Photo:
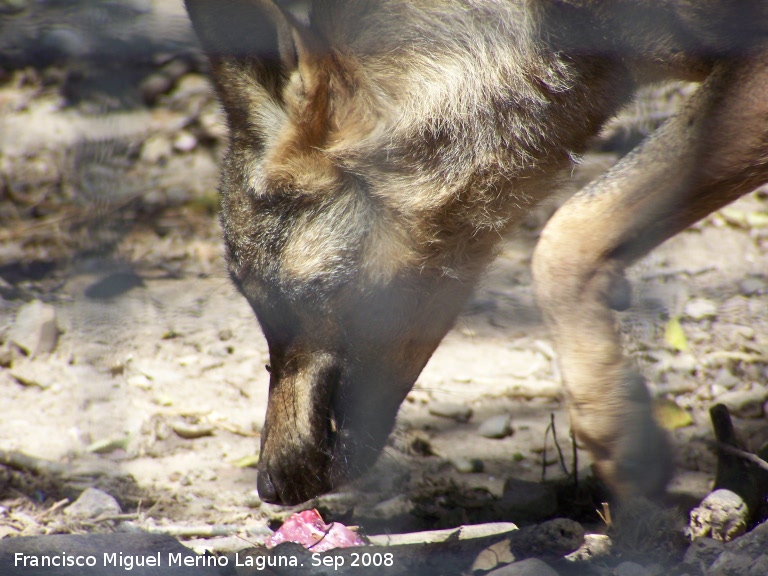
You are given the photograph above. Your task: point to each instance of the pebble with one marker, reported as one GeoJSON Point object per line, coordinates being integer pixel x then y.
{"type": "Point", "coordinates": [184, 142]}
{"type": "Point", "coordinates": [731, 564]}
{"type": "Point", "coordinates": [156, 148]}
{"type": "Point", "coordinates": [759, 567]}
{"type": "Point", "coordinates": [745, 403]}
{"type": "Point", "coordinates": [468, 465]}
{"type": "Point", "coordinates": [13, 6]}
{"type": "Point", "coordinates": [722, 515]}
{"type": "Point", "coordinates": [154, 85]}
{"type": "Point", "coordinates": [594, 546]}
{"type": "Point", "coordinates": [35, 330]}
{"type": "Point", "coordinates": [529, 567]}
{"type": "Point", "coordinates": [631, 569]}
{"type": "Point", "coordinates": [726, 379]}
{"type": "Point", "coordinates": [397, 507]}
{"type": "Point", "coordinates": [527, 501]}
{"type": "Point", "coordinates": [457, 412]}
{"type": "Point", "coordinates": [496, 427]}
{"type": "Point", "coordinates": [93, 503]}
{"type": "Point", "coordinates": [700, 309]}
{"type": "Point", "coordinates": [753, 286]}
{"type": "Point", "coordinates": [703, 552]}
{"type": "Point", "coordinates": [7, 290]}
{"type": "Point", "coordinates": [33, 375]}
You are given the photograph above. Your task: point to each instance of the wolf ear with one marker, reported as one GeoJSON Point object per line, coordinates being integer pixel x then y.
{"type": "Point", "coordinates": [263, 32]}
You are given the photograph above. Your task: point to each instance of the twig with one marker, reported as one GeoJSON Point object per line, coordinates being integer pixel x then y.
{"type": "Point", "coordinates": [557, 444]}
{"type": "Point", "coordinates": [60, 504]}
{"type": "Point", "coordinates": [733, 451]}
{"type": "Point", "coordinates": [111, 517]}
{"type": "Point", "coordinates": [575, 456]}
{"type": "Point", "coordinates": [25, 463]}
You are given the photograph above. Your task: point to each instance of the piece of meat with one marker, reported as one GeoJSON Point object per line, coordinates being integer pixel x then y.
{"type": "Point", "coordinates": [308, 529]}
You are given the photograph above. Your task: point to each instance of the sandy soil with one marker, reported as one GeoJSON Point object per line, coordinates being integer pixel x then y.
{"type": "Point", "coordinates": [110, 218]}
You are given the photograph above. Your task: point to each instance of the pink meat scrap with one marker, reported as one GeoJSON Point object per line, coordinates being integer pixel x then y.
{"type": "Point", "coordinates": [308, 529]}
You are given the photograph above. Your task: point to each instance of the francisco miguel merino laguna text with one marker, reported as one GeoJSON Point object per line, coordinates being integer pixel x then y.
{"type": "Point", "coordinates": [130, 561]}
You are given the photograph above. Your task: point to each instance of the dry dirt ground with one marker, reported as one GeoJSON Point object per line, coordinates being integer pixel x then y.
{"type": "Point", "coordinates": [156, 388]}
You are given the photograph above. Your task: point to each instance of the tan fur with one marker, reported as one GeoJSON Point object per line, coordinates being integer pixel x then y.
{"type": "Point", "coordinates": [379, 153]}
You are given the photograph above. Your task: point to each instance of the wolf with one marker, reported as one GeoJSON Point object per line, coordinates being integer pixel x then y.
{"type": "Point", "coordinates": [379, 150]}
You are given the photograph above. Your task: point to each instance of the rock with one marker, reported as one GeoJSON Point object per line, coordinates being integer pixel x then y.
{"type": "Point", "coordinates": [745, 403]}
{"type": "Point", "coordinates": [730, 564]}
{"type": "Point", "coordinates": [703, 552]}
{"type": "Point", "coordinates": [527, 501]}
{"type": "Point", "coordinates": [594, 546]}
{"type": "Point", "coordinates": [184, 142]}
{"type": "Point", "coordinates": [722, 515]}
{"type": "Point", "coordinates": [457, 412]}
{"type": "Point", "coordinates": [529, 567]}
{"type": "Point", "coordinates": [35, 330]}
{"type": "Point", "coordinates": [156, 148]}
{"type": "Point", "coordinates": [13, 6]}
{"type": "Point", "coordinates": [759, 567]}
{"type": "Point", "coordinates": [468, 465]}
{"type": "Point", "coordinates": [753, 287]}
{"type": "Point", "coordinates": [631, 569]}
{"type": "Point", "coordinates": [752, 544]}
{"type": "Point", "coordinates": [33, 374]}
{"type": "Point", "coordinates": [93, 503]}
{"type": "Point", "coordinates": [8, 291]}
{"type": "Point", "coordinates": [394, 508]}
{"type": "Point", "coordinates": [496, 427]}
{"type": "Point", "coordinates": [726, 379]}
{"type": "Point", "coordinates": [154, 85]}
{"type": "Point", "coordinates": [700, 309]}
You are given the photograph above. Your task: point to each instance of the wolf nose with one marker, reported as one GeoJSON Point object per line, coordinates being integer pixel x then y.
{"type": "Point", "coordinates": [267, 490]}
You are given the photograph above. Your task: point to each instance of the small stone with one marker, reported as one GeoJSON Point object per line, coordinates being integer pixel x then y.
{"type": "Point", "coordinates": [594, 546]}
{"type": "Point", "coordinates": [139, 381]}
{"type": "Point", "coordinates": [13, 6]}
{"type": "Point", "coordinates": [529, 567]}
{"type": "Point", "coordinates": [726, 379]}
{"type": "Point", "coordinates": [154, 85]}
{"type": "Point", "coordinates": [156, 148]}
{"type": "Point", "coordinates": [753, 287]}
{"type": "Point", "coordinates": [630, 569]}
{"type": "Point", "coordinates": [192, 431]}
{"type": "Point", "coordinates": [35, 330]}
{"type": "Point", "coordinates": [420, 446]}
{"type": "Point", "coordinates": [33, 375]}
{"type": "Point", "coordinates": [457, 412]}
{"type": "Point", "coordinates": [752, 544]}
{"type": "Point", "coordinates": [527, 501]}
{"type": "Point", "coordinates": [496, 427]}
{"type": "Point", "coordinates": [394, 508]}
{"type": "Point", "coordinates": [745, 403]}
{"type": "Point", "coordinates": [252, 499]}
{"type": "Point", "coordinates": [8, 291]}
{"type": "Point", "coordinates": [93, 503]}
{"type": "Point", "coordinates": [185, 142]}
{"type": "Point", "coordinates": [683, 363]}
{"type": "Point", "coordinates": [722, 515]}
{"type": "Point", "coordinates": [730, 564]}
{"type": "Point", "coordinates": [760, 566]}
{"type": "Point", "coordinates": [703, 552]}
{"type": "Point", "coordinates": [700, 309]}
{"type": "Point", "coordinates": [468, 465]}
{"type": "Point", "coordinates": [676, 384]}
